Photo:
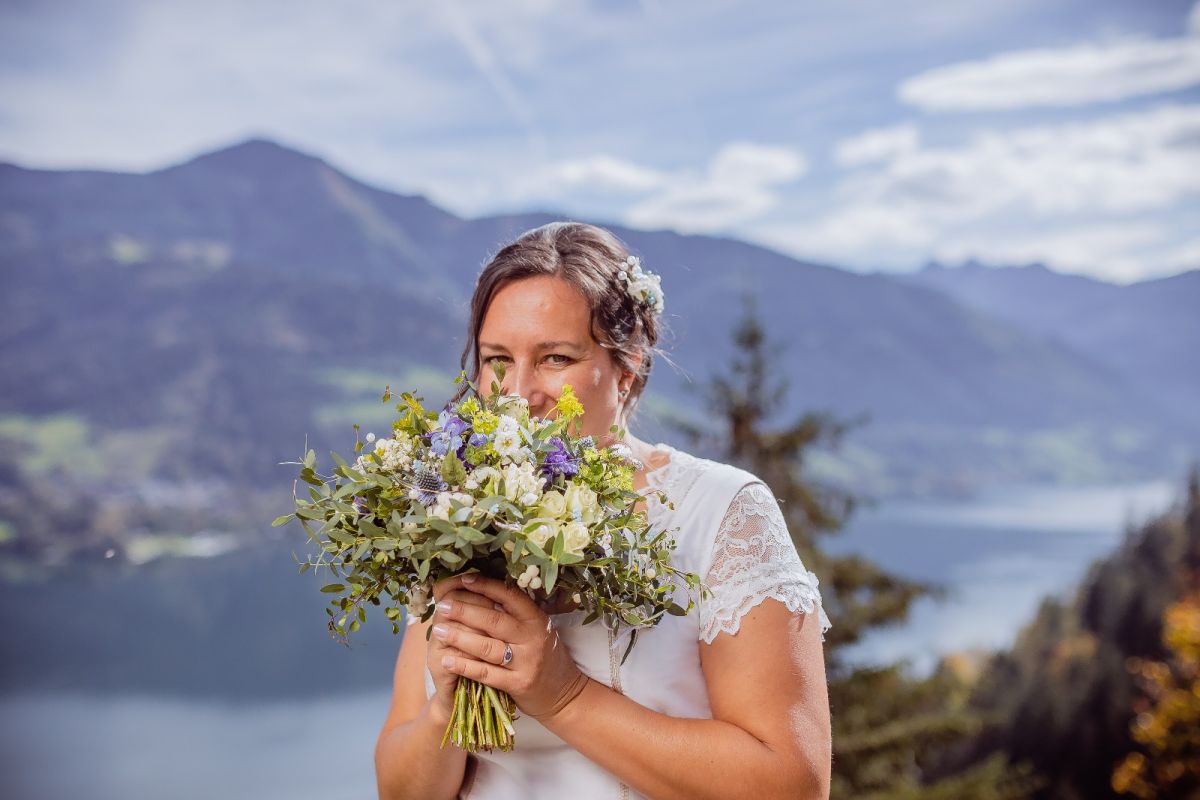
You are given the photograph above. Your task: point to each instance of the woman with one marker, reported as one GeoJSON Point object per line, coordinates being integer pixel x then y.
{"type": "Point", "coordinates": [729, 701]}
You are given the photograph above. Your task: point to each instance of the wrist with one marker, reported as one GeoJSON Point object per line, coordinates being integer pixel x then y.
{"type": "Point", "coordinates": [567, 701]}
{"type": "Point", "coordinates": [438, 713]}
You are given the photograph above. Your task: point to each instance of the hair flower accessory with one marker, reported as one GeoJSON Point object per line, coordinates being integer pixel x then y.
{"type": "Point", "coordinates": [645, 286]}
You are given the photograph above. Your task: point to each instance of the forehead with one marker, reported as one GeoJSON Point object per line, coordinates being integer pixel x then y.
{"type": "Point", "coordinates": [535, 309]}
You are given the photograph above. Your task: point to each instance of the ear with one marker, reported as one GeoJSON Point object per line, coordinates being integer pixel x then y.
{"type": "Point", "coordinates": [628, 376]}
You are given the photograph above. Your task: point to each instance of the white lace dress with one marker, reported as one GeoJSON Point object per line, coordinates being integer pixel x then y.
{"type": "Point", "coordinates": [732, 533]}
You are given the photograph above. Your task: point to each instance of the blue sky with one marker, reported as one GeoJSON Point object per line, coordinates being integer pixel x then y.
{"type": "Point", "coordinates": [870, 135]}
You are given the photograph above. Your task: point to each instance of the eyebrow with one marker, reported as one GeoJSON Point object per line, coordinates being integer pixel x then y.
{"type": "Point", "coordinates": [541, 346]}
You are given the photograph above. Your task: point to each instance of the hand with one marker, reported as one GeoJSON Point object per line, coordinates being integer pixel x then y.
{"type": "Point", "coordinates": [443, 680]}
{"type": "Point", "coordinates": [542, 678]}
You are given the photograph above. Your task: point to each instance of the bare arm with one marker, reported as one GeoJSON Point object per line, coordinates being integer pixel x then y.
{"type": "Point", "coordinates": [770, 735]}
{"type": "Point", "coordinates": [409, 759]}
{"type": "Point", "coordinates": [409, 762]}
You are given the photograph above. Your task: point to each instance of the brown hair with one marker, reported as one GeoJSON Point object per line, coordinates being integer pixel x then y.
{"type": "Point", "coordinates": [588, 257]}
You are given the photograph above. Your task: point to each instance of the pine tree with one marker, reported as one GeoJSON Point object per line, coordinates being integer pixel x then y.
{"type": "Point", "coordinates": [887, 727]}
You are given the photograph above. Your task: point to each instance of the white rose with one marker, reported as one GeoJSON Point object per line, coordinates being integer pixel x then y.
{"type": "Point", "coordinates": [581, 498]}
{"type": "Point", "coordinates": [553, 505]}
{"type": "Point", "coordinates": [544, 532]}
{"type": "Point", "coordinates": [575, 538]}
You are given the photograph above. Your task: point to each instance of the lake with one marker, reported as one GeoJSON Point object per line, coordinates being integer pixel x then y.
{"type": "Point", "coordinates": [999, 554]}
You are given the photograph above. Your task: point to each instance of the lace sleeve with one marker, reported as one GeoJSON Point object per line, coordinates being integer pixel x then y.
{"type": "Point", "coordinates": [754, 559]}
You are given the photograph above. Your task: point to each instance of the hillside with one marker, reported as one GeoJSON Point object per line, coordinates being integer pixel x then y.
{"type": "Point", "coordinates": [168, 337]}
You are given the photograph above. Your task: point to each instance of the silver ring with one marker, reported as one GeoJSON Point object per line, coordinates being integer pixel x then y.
{"type": "Point", "coordinates": [508, 655]}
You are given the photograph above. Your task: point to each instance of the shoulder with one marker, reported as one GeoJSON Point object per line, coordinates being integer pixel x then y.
{"type": "Point", "coordinates": [725, 480]}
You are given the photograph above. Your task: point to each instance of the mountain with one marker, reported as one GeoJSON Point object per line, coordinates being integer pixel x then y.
{"type": "Point", "coordinates": [1145, 330]}
{"type": "Point", "coordinates": [169, 337]}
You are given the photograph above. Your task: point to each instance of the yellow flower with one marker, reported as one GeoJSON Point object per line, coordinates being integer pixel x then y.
{"type": "Point", "coordinates": [485, 422]}
{"type": "Point", "coordinates": [468, 407]}
{"type": "Point", "coordinates": [568, 404]}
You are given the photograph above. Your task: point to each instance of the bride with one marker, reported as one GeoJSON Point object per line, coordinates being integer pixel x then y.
{"type": "Point", "coordinates": [728, 701]}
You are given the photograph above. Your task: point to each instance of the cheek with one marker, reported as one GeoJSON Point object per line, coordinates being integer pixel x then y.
{"type": "Point", "coordinates": [595, 390]}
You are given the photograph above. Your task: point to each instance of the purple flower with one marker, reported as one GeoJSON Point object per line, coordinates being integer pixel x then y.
{"type": "Point", "coordinates": [477, 440]}
{"type": "Point", "coordinates": [448, 435]}
{"type": "Point", "coordinates": [559, 461]}
{"type": "Point", "coordinates": [428, 484]}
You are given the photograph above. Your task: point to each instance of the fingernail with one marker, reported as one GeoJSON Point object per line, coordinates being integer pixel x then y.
{"type": "Point", "coordinates": [470, 578]}
{"type": "Point", "coordinates": [445, 605]}
{"type": "Point", "coordinates": [447, 661]}
{"type": "Point", "coordinates": [440, 631]}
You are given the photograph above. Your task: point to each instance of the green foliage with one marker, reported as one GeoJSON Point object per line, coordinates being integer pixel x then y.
{"type": "Point", "coordinates": [1063, 697]}
{"type": "Point", "coordinates": [380, 541]}
{"type": "Point", "coordinates": [889, 730]}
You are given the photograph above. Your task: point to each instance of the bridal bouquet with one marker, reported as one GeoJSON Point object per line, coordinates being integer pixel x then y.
{"type": "Point", "coordinates": [483, 486]}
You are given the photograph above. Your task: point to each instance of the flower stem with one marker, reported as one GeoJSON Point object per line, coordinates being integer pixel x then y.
{"type": "Point", "coordinates": [482, 718]}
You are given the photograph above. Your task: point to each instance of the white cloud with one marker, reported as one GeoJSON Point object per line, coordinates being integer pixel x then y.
{"type": "Point", "coordinates": [1082, 182]}
{"type": "Point", "coordinates": [606, 173]}
{"type": "Point", "coordinates": [1112, 252]}
{"type": "Point", "coordinates": [1137, 161]}
{"type": "Point", "coordinates": [876, 145]}
{"type": "Point", "coordinates": [1066, 76]}
{"type": "Point", "coordinates": [737, 186]}
{"type": "Point", "coordinates": [743, 162]}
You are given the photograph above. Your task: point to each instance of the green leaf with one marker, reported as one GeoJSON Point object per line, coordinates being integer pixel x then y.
{"type": "Point", "coordinates": [281, 519]}
{"type": "Point", "coordinates": [310, 459]}
{"type": "Point", "coordinates": [441, 526]}
{"type": "Point", "coordinates": [551, 576]}
{"type": "Point", "coordinates": [632, 639]}
{"type": "Point", "coordinates": [453, 471]}
{"type": "Point", "coordinates": [341, 462]}
{"type": "Point", "coordinates": [308, 476]}
{"type": "Point", "coordinates": [557, 551]}
{"type": "Point", "coordinates": [333, 587]}
{"type": "Point", "coordinates": [471, 535]}
{"type": "Point", "coordinates": [341, 536]}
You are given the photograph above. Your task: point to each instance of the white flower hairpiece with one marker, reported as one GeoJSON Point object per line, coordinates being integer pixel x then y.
{"type": "Point", "coordinates": [645, 286]}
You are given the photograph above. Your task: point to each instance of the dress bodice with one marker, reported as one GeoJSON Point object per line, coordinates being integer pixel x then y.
{"type": "Point", "coordinates": [729, 530]}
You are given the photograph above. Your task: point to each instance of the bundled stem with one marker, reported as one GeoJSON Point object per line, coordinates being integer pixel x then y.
{"type": "Point", "coordinates": [481, 719]}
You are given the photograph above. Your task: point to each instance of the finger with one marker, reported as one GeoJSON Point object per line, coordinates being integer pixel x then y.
{"type": "Point", "coordinates": [474, 598]}
{"type": "Point", "coordinates": [447, 586]}
{"type": "Point", "coordinates": [515, 602]}
{"type": "Point", "coordinates": [488, 620]}
{"type": "Point", "coordinates": [471, 642]}
{"type": "Point", "coordinates": [488, 674]}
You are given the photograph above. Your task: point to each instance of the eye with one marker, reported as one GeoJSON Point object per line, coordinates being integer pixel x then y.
{"type": "Point", "coordinates": [565, 359]}
{"type": "Point", "coordinates": [493, 359]}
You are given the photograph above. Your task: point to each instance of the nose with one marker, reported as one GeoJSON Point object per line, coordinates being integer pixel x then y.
{"type": "Point", "coordinates": [522, 378]}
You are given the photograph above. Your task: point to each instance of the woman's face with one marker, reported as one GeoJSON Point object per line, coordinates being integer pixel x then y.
{"type": "Point", "coordinates": [540, 329]}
